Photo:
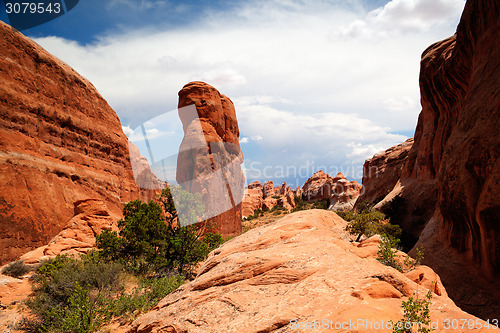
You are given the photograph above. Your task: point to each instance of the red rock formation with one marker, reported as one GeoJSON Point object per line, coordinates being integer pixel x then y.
{"type": "Point", "coordinates": [269, 189]}
{"type": "Point", "coordinates": [345, 193]}
{"type": "Point", "coordinates": [301, 268]}
{"type": "Point", "coordinates": [253, 199]}
{"type": "Point", "coordinates": [59, 142]}
{"type": "Point", "coordinates": [91, 218]}
{"type": "Point", "coordinates": [210, 157]}
{"type": "Point", "coordinates": [453, 168]}
{"type": "Point", "coordinates": [150, 186]}
{"type": "Point", "coordinates": [340, 193]}
{"type": "Point", "coordinates": [316, 188]}
{"type": "Point", "coordinates": [256, 197]}
{"type": "Point", "coordinates": [382, 172]}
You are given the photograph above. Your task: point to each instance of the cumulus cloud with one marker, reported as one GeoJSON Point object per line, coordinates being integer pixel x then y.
{"type": "Point", "coordinates": [403, 17]}
{"type": "Point", "coordinates": [322, 80]}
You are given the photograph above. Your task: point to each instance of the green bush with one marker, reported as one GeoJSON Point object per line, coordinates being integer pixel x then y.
{"type": "Point", "coordinates": [386, 253]}
{"type": "Point", "coordinates": [70, 295]}
{"type": "Point", "coordinates": [368, 223]}
{"type": "Point", "coordinates": [151, 240]}
{"type": "Point", "coordinates": [16, 269]}
{"type": "Point", "coordinates": [323, 204]}
{"type": "Point", "coordinates": [299, 204]}
{"type": "Point", "coordinates": [144, 297]}
{"type": "Point", "coordinates": [73, 295]}
{"type": "Point", "coordinates": [416, 315]}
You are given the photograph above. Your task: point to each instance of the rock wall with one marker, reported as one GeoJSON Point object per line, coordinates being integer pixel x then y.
{"type": "Point", "coordinates": [60, 142]}
{"type": "Point", "coordinates": [210, 156]}
{"type": "Point", "coordinates": [451, 175]}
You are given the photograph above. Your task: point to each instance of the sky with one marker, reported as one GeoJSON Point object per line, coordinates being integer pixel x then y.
{"type": "Point", "coordinates": [319, 84]}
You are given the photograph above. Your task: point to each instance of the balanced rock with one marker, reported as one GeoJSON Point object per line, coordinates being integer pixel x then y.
{"type": "Point", "coordinates": [210, 157]}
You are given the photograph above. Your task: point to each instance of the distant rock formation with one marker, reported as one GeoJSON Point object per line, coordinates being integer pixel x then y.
{"type": "Point", "coordinates": [210, 157]}
{"type": "Point", "coordinates": [340, 193]}
{"type": "Point", "coordinates": [91, 218]}
{"type": "Point", "coordinates": [451, 176]}
{"type": "Point", "coordinates": [267, 197]}
{"type": "Point", "coordinates": [299, 269]}
{"type": "Point", "coordinates": [150, 186]}
{"type": "Point", "coordinates": [60, 142]}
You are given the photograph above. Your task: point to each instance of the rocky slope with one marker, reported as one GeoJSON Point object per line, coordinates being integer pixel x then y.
{"type": "Point", "coordinates": [451, 174]}
{"type": "Point", "coordinates": [60, 142]}
{"type": "Point", "coordinates": [210, 157]}
{"type": "Point", "coordinates": [298, 270]}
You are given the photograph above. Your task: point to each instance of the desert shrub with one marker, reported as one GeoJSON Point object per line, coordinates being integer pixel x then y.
{"type": "Point", "coordinates": [152, 240]}
{"type": "Point", "coordinates": [416, 315]}
{"type": "Point", "coordinates": [16, 269]}
{"type": "Point", "coordinates": [278, 208]}
{"type": "Point", "coordinates": [323, 204]}
{"type": "Point", "coordinates": [73, 295]}
{"type": "Point", "coordinates": [70, 295]}
{"type": "Point", "coordinates": [144, 297]}
{"type": "Point", "coordinates": [386, 253]}
{"type": "Point", "coordinates": [299, 204]}
{"type": "Point", "coordinates": [213, 240]}
{"type": "Point", "coordinates": [276, 197]}
{"type": "Point", "coordinates": [368, 223]}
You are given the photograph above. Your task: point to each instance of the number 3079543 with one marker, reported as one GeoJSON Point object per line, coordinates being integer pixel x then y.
{"type": "Point", "coordinates": [32, 8]}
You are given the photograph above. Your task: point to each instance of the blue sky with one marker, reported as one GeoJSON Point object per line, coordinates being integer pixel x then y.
{"type": "Point", "coordinates": [316, 84]}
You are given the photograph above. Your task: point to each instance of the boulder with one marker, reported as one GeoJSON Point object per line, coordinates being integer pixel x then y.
{"type": "Point", "coordinates": [91, 218]}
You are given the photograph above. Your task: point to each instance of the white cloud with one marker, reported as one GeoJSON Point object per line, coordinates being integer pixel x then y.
{"type": "Point", "coordinates": [310, 77]}
{"type": "Point", "coordinates": [402, 17]}
{"type": "Point", "coordinates": [244, 140]}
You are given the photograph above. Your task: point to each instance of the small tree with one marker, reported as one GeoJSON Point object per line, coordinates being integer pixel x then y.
{"type": "Point", "coordinates": [416, 315]}
{"type": "Point", "coordinates": [151, 237]}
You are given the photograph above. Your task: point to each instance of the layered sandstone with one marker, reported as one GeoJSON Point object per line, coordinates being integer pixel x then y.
{"type": "Point", "coordinates": [253, 200]}
{"type": "Point", "coordinates": [210, 157]}
{"type": "Point", "coordinates": [383, 171]}
{"type": "Point", "coordinates": [451, 174]}
{"type": "Point", "coordinates": [78, 237]}
{"type": "Point", "coordinates": [60, 142]}
{"type": "Point", "coordinates": [150, 186]}
{"type": "Point", "coordinates": [301, 268]}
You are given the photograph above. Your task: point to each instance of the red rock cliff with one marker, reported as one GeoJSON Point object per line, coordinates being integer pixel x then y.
{"type": "Point", "coordinates": [210, 156]}
{"type": "Point", "coordinates": [60, 142]}
{"type": "Point", "coordinates": [453, 168]}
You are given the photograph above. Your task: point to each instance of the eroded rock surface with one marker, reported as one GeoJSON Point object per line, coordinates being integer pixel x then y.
{"type": "Point", "coordinates": [210, 157]}
{"type": "Point", "coordinates": [60, 142]}
{"type": "Point", "coordinates": [91, 218]}
{"type": "Point", "coordinates": [340, 193]}
{"type": "Point", "coordinates": [300, 268]}
{"type": "Point", "coordinates": [451, 175]}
